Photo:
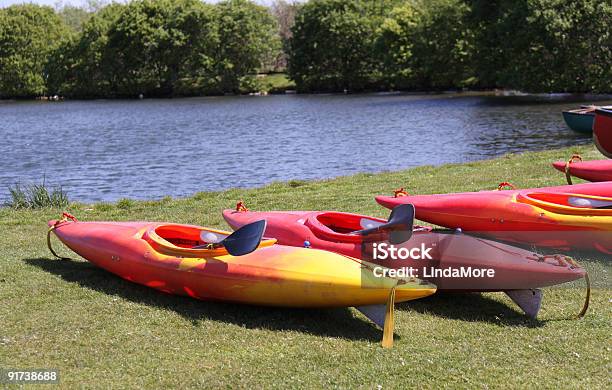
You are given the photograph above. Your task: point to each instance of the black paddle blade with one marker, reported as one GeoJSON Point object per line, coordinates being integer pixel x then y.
{"type": "Point", "coordinates": [398, 228]}
{"type": "Point", "coordinates": [246, 239]}
{"type": "Point", "coordinates": [402, 219]}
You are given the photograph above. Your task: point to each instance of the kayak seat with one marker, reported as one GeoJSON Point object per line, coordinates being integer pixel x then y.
{"type": "Point", "coordinates": [182, 236]}
{"type": "Point", "coordinates": [339, 222]}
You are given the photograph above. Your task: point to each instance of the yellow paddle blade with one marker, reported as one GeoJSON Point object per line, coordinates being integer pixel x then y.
{"type": "Point", "coordinates": [387, 341]}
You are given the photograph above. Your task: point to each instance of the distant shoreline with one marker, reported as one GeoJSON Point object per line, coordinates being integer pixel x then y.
{"type": "Point", "coordinates": [560, 96]}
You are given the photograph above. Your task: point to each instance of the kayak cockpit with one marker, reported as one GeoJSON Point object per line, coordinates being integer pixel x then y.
{"type": "Point", "coordinates": [345, 227]}
{"type": "Point", "coordinates": [190, 241]}
{"type": "Point", "coordinates": [347, 223]}
{"type": "Point", "coordinates": [340, 227]}
{"type": "Point", "coordinates": [573, 204]}
{"type": "Point", "coordinates": [185, 236]}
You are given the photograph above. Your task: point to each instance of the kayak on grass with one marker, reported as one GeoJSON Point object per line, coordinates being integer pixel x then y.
{"type": "Point", "coordinates": [516, 271]}
{"type": "Point", "coordinates": [195, 261]}
{"type": "Point", "coordinates": [594, 170]}
{"type": "Point", "coordinates": [597, 189]}
{"type": "Point", "coordinates": [602, 131]}
{"type": "Point", "coordinates": [563, 217]}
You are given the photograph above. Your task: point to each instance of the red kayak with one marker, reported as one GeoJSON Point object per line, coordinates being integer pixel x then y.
{"type": "Point", "coordinates": [602, 131]}
{"type": "Point", "coordinates": [595, 170]}
{"type": "Point", "coordinates": [514, 268]}
{"type": "Point", "coordinates": [564, 217]}
{"type": "Point", "coordinates": [596, 189]}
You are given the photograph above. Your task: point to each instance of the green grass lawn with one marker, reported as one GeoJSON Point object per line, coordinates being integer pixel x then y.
{"type": "Point", "coordinates": [103, 331]}
{"type": "Point", "coordinates": [277, 82]}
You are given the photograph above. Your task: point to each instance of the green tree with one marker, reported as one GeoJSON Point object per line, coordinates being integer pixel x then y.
{"type": "Point", "coordinates": [284, 13]}
{"type": "Point", "coordinates": [248, 41]}
{"type": "Point", "coordinates": [332, 46]}
{"type": "Point", "coordinates": [28, 33]}
{"type": "Point", "coordinates": [84, 66]}
{"type": "Point", "coordinates": [544, 45]}
{"type": "Point", "coordinates": [74, 17]}
{"type": "Point", "coordinates": [427, 45]}
{"type": "Point", "coordinates": [156, 43]}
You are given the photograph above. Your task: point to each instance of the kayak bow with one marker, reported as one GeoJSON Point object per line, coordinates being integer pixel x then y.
{"type": "Point", "coordinates": [594, 171]}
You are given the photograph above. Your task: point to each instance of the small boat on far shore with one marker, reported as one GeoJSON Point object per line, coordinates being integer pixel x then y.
{"type": "Point", "coordinates": [580, 120]}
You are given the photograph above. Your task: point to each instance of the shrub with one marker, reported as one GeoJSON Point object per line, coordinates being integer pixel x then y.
{"type": "Point", "coordinates": [125, 203]}
{"type": "Point", "coordinates": [37, 196]}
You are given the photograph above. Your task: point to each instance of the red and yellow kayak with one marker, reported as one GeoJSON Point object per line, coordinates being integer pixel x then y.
{"type": "Point", "coordinates": [165, 256]}
{"type": "Point", "coordinates": [602, 131]}
{"type": "Point", "coordinates": [595, 170]}
{"type": "Point", "coordinates": [184, 260]}
{"type": "Point", "coordinates": [545, 217]}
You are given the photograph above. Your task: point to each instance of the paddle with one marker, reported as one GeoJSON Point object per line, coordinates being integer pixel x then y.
{"type": "Point", "coordinates": [398, 227]}
{"type": "Point", "coordinates": [244, 240]}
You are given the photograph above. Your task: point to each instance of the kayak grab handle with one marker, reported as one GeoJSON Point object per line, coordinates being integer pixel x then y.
{"type": "Point", "coordinates": [65, 217]}
{"type": "Point", "coordinates": [400, 192]}
{"type": "Point", "coordinates": [240, 207]}
{"type": "Point", "coordinates": [505, 184]}
{"type": "Point", "coordinates": [574, 158]}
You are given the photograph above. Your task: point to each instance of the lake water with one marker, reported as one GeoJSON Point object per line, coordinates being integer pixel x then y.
{"type": "Point", "coordinates": [146, 149]}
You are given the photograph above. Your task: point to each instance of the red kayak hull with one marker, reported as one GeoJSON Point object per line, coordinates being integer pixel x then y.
{"type": "Point", "coordinates": [515, 268]}
{"type": "Point", "coordinates": [595, 170]}
{"type": "Point", "coordinates": [501, 215]}
{"type": "Point", "coordinates": [602, 131]}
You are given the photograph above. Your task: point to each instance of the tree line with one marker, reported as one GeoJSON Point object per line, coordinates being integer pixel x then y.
{"type": "Point", "coordinates": [150, 47]}
{"type": "Point", "coordinates": [529, 45]}
{"type": "Point", "coordinates": [188, 47]}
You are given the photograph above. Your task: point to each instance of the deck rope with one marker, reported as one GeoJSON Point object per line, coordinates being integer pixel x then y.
{"type": "Point", "coordinates": [574, 158]}
{"type": "Point", "coordinates": [65, 217]}
{"type": "Point", "coordinates": [587, 299]}
{"type": "Point", "coordinates": [569, 261]}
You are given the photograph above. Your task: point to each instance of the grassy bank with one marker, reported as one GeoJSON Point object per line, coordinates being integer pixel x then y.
{"type": "Point", "coordinates": [275, 83]}
{"type": "Point", "coordinates": [107, 332]}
